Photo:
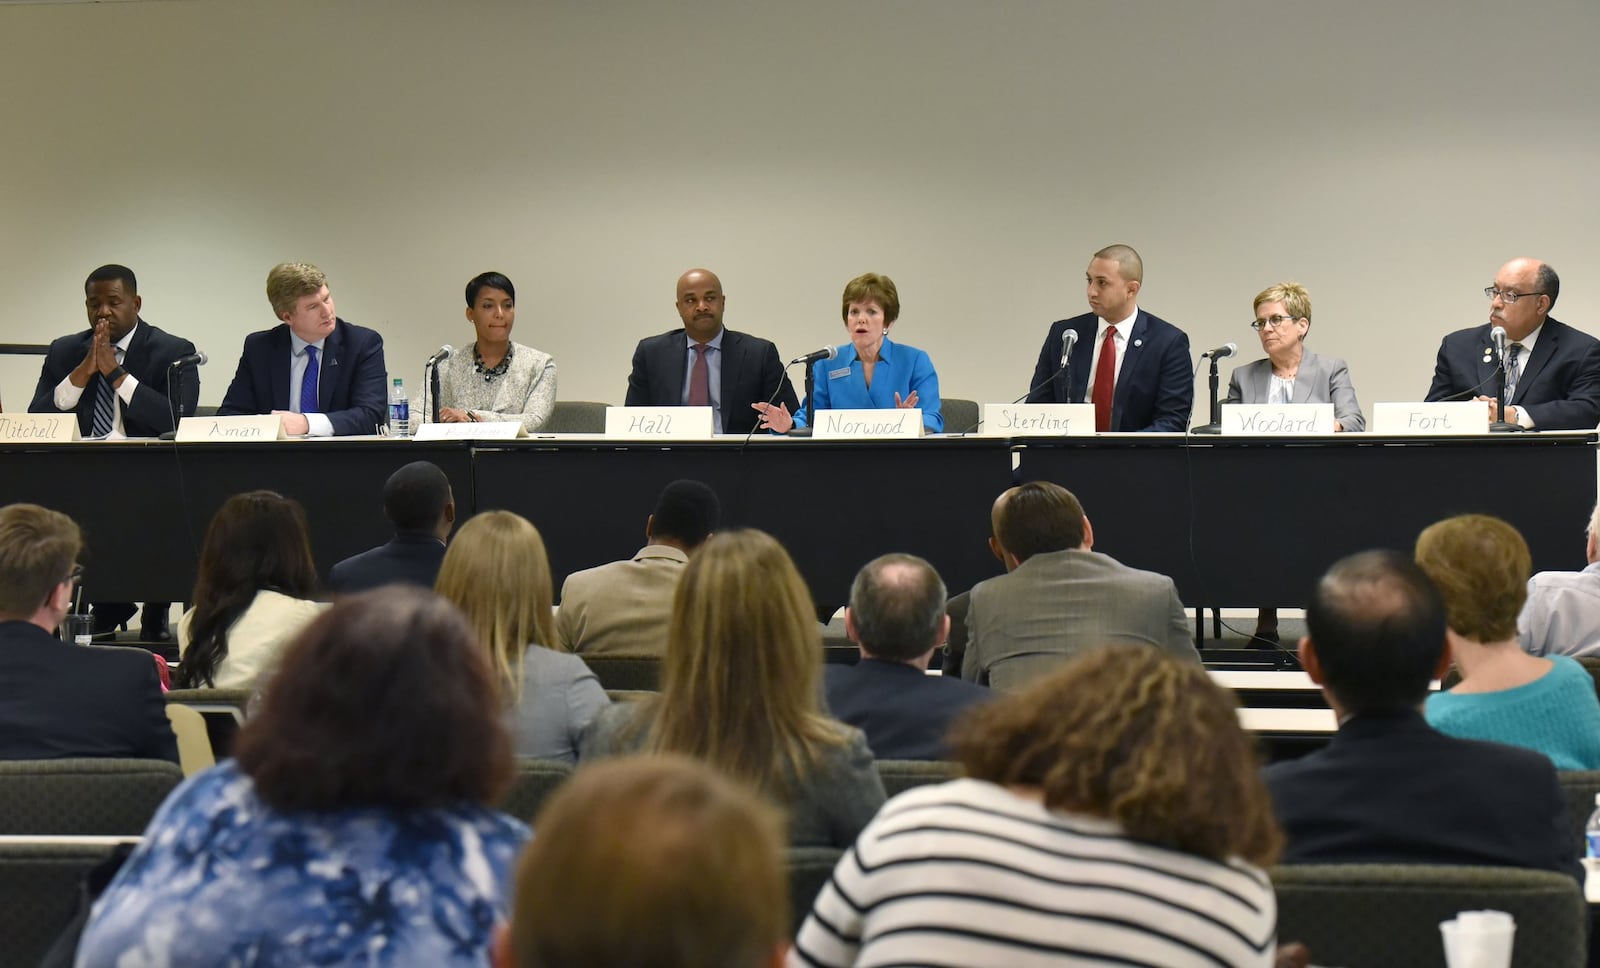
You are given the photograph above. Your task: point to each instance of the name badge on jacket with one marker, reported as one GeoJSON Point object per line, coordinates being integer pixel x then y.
{"type": "Point", "coordinates": [838, 374]}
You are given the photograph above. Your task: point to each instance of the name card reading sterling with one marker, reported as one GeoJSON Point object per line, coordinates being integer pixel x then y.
{"type": "Point", "coordinates": [854, 424]}
{"type": "Point", "coordinates": [471, 430]}
{"type": "Point", "coordinates": [1431, 419]}
{"type": "Point", "coordinates": [1277, 419]}
{"type": "Point", "coordinates": [659, 423]}
{"type": "Point", "coordinates": [35, 428]}
{"type": "Point", "coordinates": [1036, 420]}
{"type": "Point", "coordinates": [212, 430]}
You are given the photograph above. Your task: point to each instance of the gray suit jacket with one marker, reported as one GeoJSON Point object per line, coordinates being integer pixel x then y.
{"type": "Point", "coordinates": [1061, 603]}
{"type": "Point", "coordinates": [1322, 379]}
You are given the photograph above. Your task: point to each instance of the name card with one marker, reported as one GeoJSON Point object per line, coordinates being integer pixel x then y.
{"type": "Point", "coordinates": [206, 430]}
{"type": "Point", "coordinates": [1277, 419]}
{"type": "Point", "coordinates": [1431, 419]}
{"type": "Point", "coordinates": [660, 423]}
{"type": "Point", "coordinates": [481, 430]}
{"type": "Point", "coordinates": [1036, 420]}
{"type": "Point", "coordinates": [38, 427]}
{"type": "Point", "coordinates": [849, 424]}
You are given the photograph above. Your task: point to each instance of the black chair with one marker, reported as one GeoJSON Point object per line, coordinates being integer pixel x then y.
{"type": "Point", "coordinates": [629, 673]}
{"type": "Point", "coordinates": [960, 416]}
{"type": "Point", "coordinates": [810, 869]}
{"type": "Point", "coordinates": [40, 891]}
{"type": "Point", "coordinates": [83, 797]}
{"type": "Point", "coordinates": [1580, 788]}
{"type": "Point", "coordinates": [901, 775]}
{"type": "Point", "coordinates": [535, 780]}
{"type": "Point", "coordinates": [576, 417]}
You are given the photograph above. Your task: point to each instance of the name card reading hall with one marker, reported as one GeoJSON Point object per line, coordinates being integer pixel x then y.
{"type": "Point", "coordinates": [210, 430]}
{"type": "Point", "coordinates": [848, 424]}
{"type": "Point", "coordinates": [1035, 420]}
{"type": "Point", "coordinates": [1431, 419]}
{"type": "Point", "coordinates": [39, 427]}
{"type": "Point", "coordinates": [659, 423]}
{"type": "Point", "coordinates": [472, 430]}
{"type": "Point", "coordinates": [1277, 419]}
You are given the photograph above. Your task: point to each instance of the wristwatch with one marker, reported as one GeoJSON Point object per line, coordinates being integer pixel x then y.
{"type": "Point", "coordinates": [117, 374]}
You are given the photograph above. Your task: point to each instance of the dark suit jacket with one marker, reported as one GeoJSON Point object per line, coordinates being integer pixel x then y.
{"type": "Point", "coordinates": [1155, 390]}
{"type": "Point", "coordinates": [350, 385]}
{"type": "Point", "coordinates": [1560, 384]}
{"type": "Point", "coordinates": [149, 356]}
{"type": "Point", "coordinates": [411, 558]}
{"type": "Point", "coordinates": [751, 371]}
{"type": "Point", "coordinates": [904, 711]}
{"type": "Point", "coordinates": [1389, 788]}
{"type": "Point", "coordinates": [59, 700]}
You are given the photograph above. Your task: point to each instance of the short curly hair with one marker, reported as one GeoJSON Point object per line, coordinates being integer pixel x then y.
{"type": "Point", "coordinates": [1481, 566]}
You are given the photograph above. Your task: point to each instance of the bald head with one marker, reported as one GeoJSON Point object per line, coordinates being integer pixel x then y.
{"type": "Point", "coordinates": [1129, 265]}
{"type": "Point", "coordinates": [1536, 286]}
{"type": "Point", "coordinates": [700, 304]}
{"type": "Point", "coordinates": [897, 608]}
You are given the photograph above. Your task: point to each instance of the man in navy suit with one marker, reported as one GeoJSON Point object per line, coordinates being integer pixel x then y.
{"type": "Point", "coordinates": [417, 500]}
{"type": "Point", "coordinates": [704, 364]}
{"type": "Point", "coordinates": [896, 617]}
{"type": "Point", "coordinates": [322, 375]}
{"type": "Point", "coordinates": [1134, 367]}
{"type": "Point", "coordinates": [1552, 370]}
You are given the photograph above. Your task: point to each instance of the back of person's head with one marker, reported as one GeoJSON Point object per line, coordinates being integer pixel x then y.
{"type": "Point", "coordinates": [256, 541]}
{"type": "Point", "coordinates": [897, 607]}
{"type": "Point", "coordinates": [496, 571]}
{"type": "Point", "coordinates": [1037, 518]}
{"type": "Point", "coordinates": [415, 497]}
{"type": "Point", "coordinates": [38, 548]}
{"type": "Point", "coordinates": [687, 512]}
{"type": "Point", "coordinates": [383, 700]}
{"type": "Point", "coordinates": [1135, 735]}
{"type": "Point", "coordinates": [1481, 566]}
{"type": "Point", "coordinates": [651, 862]}
{"type": "Point", "coordinates": [1377, 624]}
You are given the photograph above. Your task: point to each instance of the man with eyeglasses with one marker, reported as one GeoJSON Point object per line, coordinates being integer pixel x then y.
{"type": "Point", "coordinates": [1552, 370]}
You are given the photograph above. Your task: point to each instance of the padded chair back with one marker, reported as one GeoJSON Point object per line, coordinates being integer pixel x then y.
{"type": "Point", "coordinates": [194, 746]}
{"type": "Point", "coordinates": [224, 711]}
{"type": "Point", "coordinates": [1387, 914]}
{"type": "Point", "coordinates": [809, 871]}
{"type": "Point", "coordinates": [960, 416]}
{"type": "Point", "coordinates": [639, 673]}
{"type": "Point", "coordinates": [901, 775]}
{"type": "Point", "coordinates": [534, 782]}
{"type": "Point", "coordinates": [95, 797]}
{"type": "Point", "coordinates": [39, 893]}
{"type": "Point", "coordinates": [1580, 788]}
{"type": "Point", "coordinates": [1592, 663]}
{"type": "Point", "coordinates": [576, 417]}
{"type": "Point", "coordinates": [628, 695]}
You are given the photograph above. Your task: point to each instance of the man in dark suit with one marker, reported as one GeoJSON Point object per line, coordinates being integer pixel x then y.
{"type": "Point", "coordinates": [704, 364]}
{"type": "Point", "coordinates": [61, 700]}
{"type": "Point", "coordinates": [1552, 370]}
{"type": "Point", "coordinates": [896, 617]}
{"type": "Point", "coordinates": [1134, 367]}
{"type": "Point", "coordinates": [324, 376]}
{"type": "Point", "coordinates": [1389, 788]}
{"type": "Point", "coordinates": [417, 500]}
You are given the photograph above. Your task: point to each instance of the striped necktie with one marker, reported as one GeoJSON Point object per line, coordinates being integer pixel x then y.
{"type": "Point", "coordinates": [105, 408]}
{"type": "Point", "coordinates": [1511, 370]}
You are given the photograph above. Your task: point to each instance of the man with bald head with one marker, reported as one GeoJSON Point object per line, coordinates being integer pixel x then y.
{"type": "Point", "coordinates": [1552, 370]}
{"type": "Point", "coordinates": [705, 365]}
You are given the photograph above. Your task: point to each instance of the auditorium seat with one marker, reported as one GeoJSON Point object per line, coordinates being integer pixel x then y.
{"type": "Point", "coordinates": [960, 416]}
{"type": "Point", "coordinates": [901, 775]}
{"type": "Point", "coordinates": [1579, 787]}
{"type": "Point", "coordinates": [224, 711]}
{"type": "Point", "coordinates": [626, 672]}
{"type": "Point", "coordinates": [629, 695]}
{"type": "Point", "coordinates": [1592, 663]}
{"type": "Point", "coordinates": [194, 745]}
{"type": "Point", "coordinates": [39, 891]}
{"type": "Point", "coordinates": [576, 417]}
{"type": "Point", "coordinates": [809, 871]}
{"type": "Point", "coordinates": [535, 780]}
{"type": "Point", "coordinates": [83, 797]}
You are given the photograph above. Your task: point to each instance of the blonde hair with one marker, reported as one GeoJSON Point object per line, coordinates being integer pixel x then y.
{"type": "Point", "coordinates": [496, 571]}
{"type": "Point", "coordinates": [37, 549]}
{"type": "Point", "coordinates": [289, 281]}
{"type": "Point", "coordinates": [1294, 297]}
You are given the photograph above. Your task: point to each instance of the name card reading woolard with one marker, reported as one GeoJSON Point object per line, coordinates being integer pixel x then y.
{"type": "Point", "coordinates": [1431, 419]}
{"type": "Point", "coordinates": [1277, 419]}
{"type": "Point", "coordinates": [35, 428]}
{"type": "Point", "coordinates": [1036, 420]}
{"type": "Point", "coordinates": [660, 423]}
{"type": "Point", "coordinates": [846, 424]}
{"type": "Point", "coordinates": [212, 430]}
{"type": "Point", "coordinates": [479, 430]}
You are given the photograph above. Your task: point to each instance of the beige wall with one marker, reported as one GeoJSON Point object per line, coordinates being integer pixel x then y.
{"type": "Point", "coordinates": [1388, 155]}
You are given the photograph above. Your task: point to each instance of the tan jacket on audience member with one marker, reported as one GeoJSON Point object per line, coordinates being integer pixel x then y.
{"type": "Point", "coordinates": [621, 608]}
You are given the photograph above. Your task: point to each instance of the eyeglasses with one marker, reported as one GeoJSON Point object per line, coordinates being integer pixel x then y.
{"type": "Point", "coordinates": [1508, 297]}
{"type": "Point", "coordinates": [1271, 322]}
{"type": "Point", "coordinates": [76, 577]}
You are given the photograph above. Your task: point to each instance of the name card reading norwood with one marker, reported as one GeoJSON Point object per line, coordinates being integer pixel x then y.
{"type": "Point", "coordinates": [211, 430]}
{"type": "Point", "coordinates": [1430, 419]}
{"type": "Point", "coordinates": [471, 430]}
{"type": "Point", "coordinates": [37, 428]}
{"type": "Point", "coordinates": [1277, 419]}
{"type": "Point", "coordinates": [1037, 420]}
{"type": "Point", "coordinates": [659, 423]}
{"type": "Point", "coordinates": [851, 424]}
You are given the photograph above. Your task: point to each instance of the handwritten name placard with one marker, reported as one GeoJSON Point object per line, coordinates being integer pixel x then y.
{"type": "Point", "coordinates": [480, 430]}
{"type": "Point", "coordinates": [224, 430]}
{"type": "Point", "coordinates": [1037, 420]}
{"type": "Point", "coordinates": [849, 424]}
{"type": "Point", "coordinates": [1431, 419]}
{"type": "Point", "coordinates": [35, 428]}
{"type": "Point", "coordinates": [1277, 419]}
{"type": "Point", "coordinates": [659, 423]}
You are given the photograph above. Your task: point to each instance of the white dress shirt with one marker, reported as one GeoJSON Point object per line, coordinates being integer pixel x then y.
{"type": "Point", "coordinates": [1121, 345]}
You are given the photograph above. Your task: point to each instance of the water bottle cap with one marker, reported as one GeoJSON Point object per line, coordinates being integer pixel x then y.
{"type": "Point", "coordinates": [1597, 799]}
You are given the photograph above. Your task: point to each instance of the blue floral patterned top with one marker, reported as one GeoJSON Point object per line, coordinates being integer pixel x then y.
{"type": "Point", "coordinates": [224, 879]}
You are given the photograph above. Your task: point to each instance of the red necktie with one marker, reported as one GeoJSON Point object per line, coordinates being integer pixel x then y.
{"type": "Point", "coordinates": [1105, 378]}
{"type": "Point", "coordinates": [700, 378]}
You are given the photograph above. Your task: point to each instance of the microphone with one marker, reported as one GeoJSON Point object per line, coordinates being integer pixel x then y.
{"type": "Point", "coordinates": [1222, 352]}
{"type": "Point", "coordinates": [1498, 335]}
{"type": "Point", "coordinates": [1069, 339]}
{"type": "Point", "coordinates": [439, 357]}
{"type": "Point", "coordinates": [199, 359]}
{"type": "Point", "coordinates": [826, 353]}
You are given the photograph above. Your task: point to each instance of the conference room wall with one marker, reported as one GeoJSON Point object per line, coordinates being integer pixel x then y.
{"type": "Point", "coordinates": [1388, 155]}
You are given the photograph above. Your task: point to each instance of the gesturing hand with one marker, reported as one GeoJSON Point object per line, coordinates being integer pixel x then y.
{"type": "Point", "coordinates": [909, 403]}
{"type": "Point", "coordinates": [775, 418]}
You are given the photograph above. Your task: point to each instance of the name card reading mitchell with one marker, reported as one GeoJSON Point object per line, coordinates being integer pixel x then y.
{"type": "Point", "coordinates": [1036, 420]}
{"type": "Point", "coordinates": [472, 430]}
{"type": "Point", "coordinates": [852, 424]}
{"type": "Point", "coordinates": [212, 430]}
{"type": "Point", "coordinates": [659, 423]}
{"type": "Point", "coordinates": [1277, 419]}
{"type": "Point", "coordinates": [1431, 419]}
{"type": "Point", "coordinates": [36, 428]}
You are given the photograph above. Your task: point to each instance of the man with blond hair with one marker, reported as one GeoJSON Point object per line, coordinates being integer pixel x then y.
{"type": "Point", "coordinates": [322, 375]}
{"type": "Point", "coordinates": [1562, 614]}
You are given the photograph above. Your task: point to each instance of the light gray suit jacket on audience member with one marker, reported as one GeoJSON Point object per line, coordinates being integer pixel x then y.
{"type": "Point", "coordinates": [1562, 614]}
{"type": "Point", "coordinates": [622, 607]}
{"type": "Point", "coordinates": [1320, 379]}
{"type": "Point", "coordinates": [560, 698]}
{"type": "Point", "coordinates": [1060, 603]}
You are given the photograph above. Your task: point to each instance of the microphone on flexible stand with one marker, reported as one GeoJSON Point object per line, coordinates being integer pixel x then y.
{"type": "Point", "coordinates": [1220, 353]}
{"type": "Point", "coordinates": [1501, 426]}
{"type": "Point", "coordinates": [431, 368]}
{"type": "Point", "coordinates": [1069, 339]}
{"type": "Point", "coordinates": [174, 370]}
{"type": "Point", "coordinates": [826, 353]}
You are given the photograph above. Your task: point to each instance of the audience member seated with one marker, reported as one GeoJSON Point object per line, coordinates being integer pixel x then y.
{"type": "Point", "coordinates": [1480, 566]}
{"type": "Point", "coordinates": [656, 861]}
{"type": "Point", "coordinates": [417, 500]}
{"type": "Point", "coordinates": [253, 595]}
{"type": "Point", "coordinates": [1109, 813]}
{"type": "Point", "coordinates": [1389, 788]}
{"type": "Point", "coordinates": [496, 571]}
{"type": "Point", "coordinates": [741, 691]}
{"type": "Point", "coordinates": [896, 617]}
{"type": "Point", "coordinates": [1058, 596]}
{"type": "Point", "coordinates": [351, 828]}
{"type": "Point", "coordinates": [57, 699]}
{"type": "Point", "coordinates": [622, 608]}
{"type": "Point", "coordinates": [1562, 616]}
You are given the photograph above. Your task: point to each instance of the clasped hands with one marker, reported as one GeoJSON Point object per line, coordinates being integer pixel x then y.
{"type": "Point", "coordinates": [101, 358]}
{"type": "Point", "coordinates": [778, 419]}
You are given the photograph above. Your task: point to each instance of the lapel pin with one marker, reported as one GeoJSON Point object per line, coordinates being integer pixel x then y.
{"type": "Point", "coordinates": [1138, 342]}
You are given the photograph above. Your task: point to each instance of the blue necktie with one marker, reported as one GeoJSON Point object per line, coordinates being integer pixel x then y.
{"type": "Point", "coordinates": [308, 383]}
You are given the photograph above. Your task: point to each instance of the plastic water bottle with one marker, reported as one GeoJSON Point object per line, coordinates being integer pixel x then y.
{"type": "Point", "coordinates": [1591, 854]}
{"type": "Point", "coordinates": [399, 410]}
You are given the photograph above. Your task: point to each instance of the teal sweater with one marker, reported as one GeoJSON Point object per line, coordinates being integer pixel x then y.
{"type": "Point", "coordinates": [1556, 714]}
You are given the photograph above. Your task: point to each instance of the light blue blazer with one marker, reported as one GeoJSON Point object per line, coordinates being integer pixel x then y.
{"type": "Point", "coordinates": [841, 385]}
